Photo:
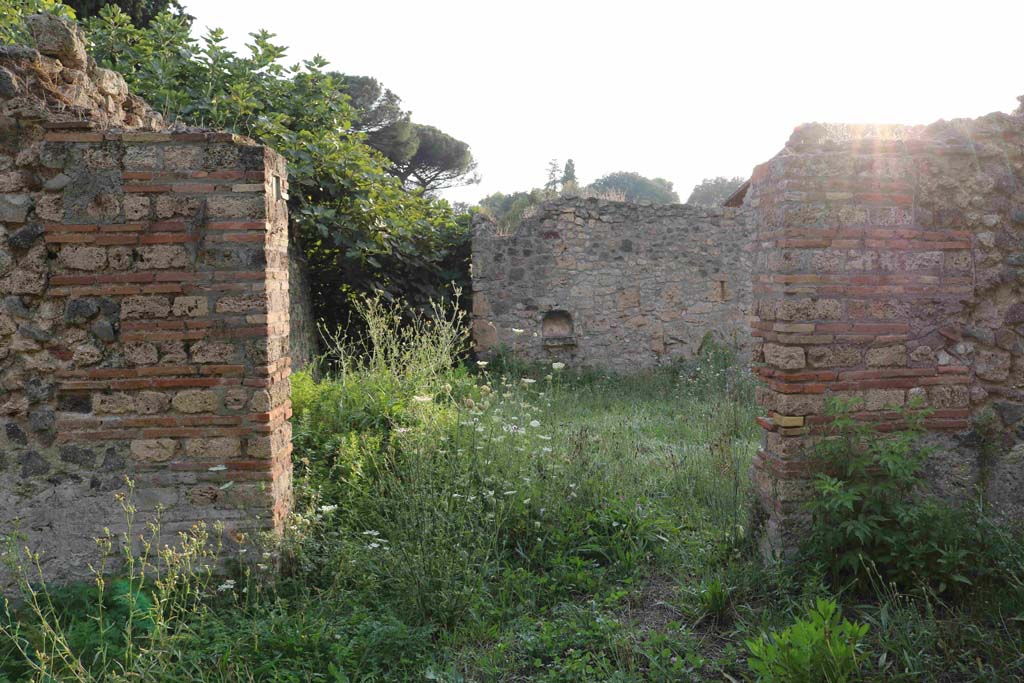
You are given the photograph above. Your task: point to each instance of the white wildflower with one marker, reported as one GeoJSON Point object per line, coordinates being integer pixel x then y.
{"type": "Point", "coordinates": [558, 366]}
{"type": "Point", "coordinates": [226, 586]}
{"type": "Point", "coordinates": [529, 380]}
{"type": "Point", "coordinates": [516, 331]}
{"type": "Point", "coordinates": [371, 532]}
{"type": "Point", "coordinates": [535, 423]}
{"type": "Point", "coordinates": [509, 493]}
{"type": "Point", "coordinates": [482, 363]}
{"type": "Point", "coordinates": [422, 399]}
{"type": "Point", "coordinates": [328, 508]}
{"type": "Point", "coordinates": [373, 546]}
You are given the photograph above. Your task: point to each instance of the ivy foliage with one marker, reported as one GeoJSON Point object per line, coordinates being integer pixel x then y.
{"type": "Point", "coordinates": [362, 231]}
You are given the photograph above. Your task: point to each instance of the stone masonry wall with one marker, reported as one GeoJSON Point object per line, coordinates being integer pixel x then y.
{"type": "Point", "coordinates": [144, 316]}
{"type": "Point", "coordinates": [611, 284]}
{"type": "Point", "coordinates": [889, 267]}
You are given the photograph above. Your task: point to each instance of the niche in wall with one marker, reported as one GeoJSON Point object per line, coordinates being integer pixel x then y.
{"type": "Point", "coordinates": [556, 329]}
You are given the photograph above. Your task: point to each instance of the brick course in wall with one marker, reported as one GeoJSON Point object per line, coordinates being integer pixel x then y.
{"type": "Point", "coordinates": [611, 284]}
{"type": "Point", "coordinates": [144, 322]}
{"type": "Point", "coordinates": [888, 269]}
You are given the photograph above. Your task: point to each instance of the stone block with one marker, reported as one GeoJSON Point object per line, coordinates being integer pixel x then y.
{"type": "Point", "coordinates": [140, 353]}
{"type": "Point", "coordinates": [208, 351]}
{"type": "Point", "coordinates": [161, 256]}
{"type": "Point", "coordinates": [14, 207]}
{"type": "Point", "coordinates": [218, 447]}
{"type": "Point", "coordinates": [196, 401]}
{"type": "Point", "coordinates": [153, 450]}
{"type": "Point", "coordinates": [992, 365]}
{"type": "Point", "coordinates": [151, 402]}
{"type": "Point", "coordinates": [60, 38]}
{"type": "Point", "coordinates": [785, 357]}
{"type": "Point", "coordinates": [114, 403]}
{"type": "Point", "coordinates": [887, 356]}
{"type": "Point", "coordinates": [137, 307]}
{"type": "Point", "coordinates": [79, 257]}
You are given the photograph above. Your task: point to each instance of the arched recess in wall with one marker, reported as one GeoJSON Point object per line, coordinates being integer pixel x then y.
{"type": "Point", "coordinates": [556, 329]}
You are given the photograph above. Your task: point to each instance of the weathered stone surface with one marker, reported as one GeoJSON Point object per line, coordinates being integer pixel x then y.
{"type": "Point", "coordinates": [55, 37]}
{"type": "Point", "coordinates": [32, 464]}
{"type": "Point", "coordinates": [208, 351]}
{"type": "Point", "coordinates": [76, 455]}
{"type": "Point", "coordinates": [79, 257]}
{"type": "Point", "coordinates": [119, 402]}
{"type": "Point", "coordinates": [785, 357]}
{"type": "Point", "coordinates": [153, 450]}
{"type": "Point", "coordinates": [151, 402]}
{"type": "Point", "coordinates": [78, 311]}
{"type": "Point", "coordinates": [190, 306]}
{"type": "Point", "coordinates": [25, 237]}
{"type": "Point", "coordinates": [136, 307]}
{"type": "Point", "coordinates": [223, 447]}
{"type": "Point", "coordinates": [10, 85]}
{"type": "Point", "coordinates": [887, 356]}
{"type": "Point", "coordinates": [162, 256]}
{"type": "Point", "coordinates": [993, 365]}
{"type": "Point", "coordinates": [14, 207]}
{"type": "Point", "coordinates": [104, 330]}
{"type": "Point", "coordinates": [196, 401]}
{"type": "Point", "coordinates": [140, 353]}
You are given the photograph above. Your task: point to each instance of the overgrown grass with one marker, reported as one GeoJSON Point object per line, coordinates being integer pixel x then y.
{"type": "Point", "coordinates": [506, 522]}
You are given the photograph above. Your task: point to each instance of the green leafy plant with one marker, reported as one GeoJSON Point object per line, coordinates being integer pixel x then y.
{"type": "Point", "coordinates": [13, 12]}
{"type": "Point", "coordinates": [873, 519]}
{"type": "Point", "coordinates": [820, 647]}
{"type": "Point", "coordinates": [863, 502]}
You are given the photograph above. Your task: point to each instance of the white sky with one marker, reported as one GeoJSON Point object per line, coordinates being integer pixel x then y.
{"type": "Point", "coordinates": [681, 90]}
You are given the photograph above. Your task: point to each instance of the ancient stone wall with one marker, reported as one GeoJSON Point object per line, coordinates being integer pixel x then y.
{"type": "Point", "coordinates": [611, 284]}
{"type": "Point", "coordinates": [888, 267]}
{"type": "Point", "coordinates": [303, 337]}
{"type": "Point", "coordinates": [144, 313]}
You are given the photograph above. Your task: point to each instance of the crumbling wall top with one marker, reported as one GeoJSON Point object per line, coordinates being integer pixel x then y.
{"type": "Point", "coordinates": [57, 83]}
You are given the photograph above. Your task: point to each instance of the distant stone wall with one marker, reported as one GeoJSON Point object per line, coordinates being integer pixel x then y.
{"type": "Point", "coordinates": [889, 266]}
{"type": "Point", "coordinates": [144, 313]}
{"type": "Point", "coordinates": [611, 284]}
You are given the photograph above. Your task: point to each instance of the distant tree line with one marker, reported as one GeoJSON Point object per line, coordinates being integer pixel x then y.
{"type": "Point", "coordinates": [626, 186]}
{"type": "Point", "coordinates": [714, 191]}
